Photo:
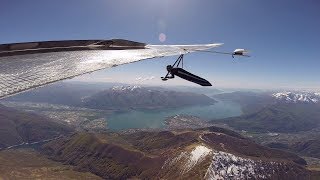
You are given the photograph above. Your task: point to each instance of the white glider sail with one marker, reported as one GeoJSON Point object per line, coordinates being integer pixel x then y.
{"type": "Point", "coordinates": [24, 66]}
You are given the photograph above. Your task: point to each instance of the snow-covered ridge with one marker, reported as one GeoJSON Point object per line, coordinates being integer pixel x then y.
{"type": "Point", "coordinates": [295, 97]}
{"type": "Point", "coordinates": [125, 88]}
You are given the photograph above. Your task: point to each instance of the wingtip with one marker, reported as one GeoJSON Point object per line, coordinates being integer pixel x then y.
{"type": "Point", "coordinates": [215, 44]}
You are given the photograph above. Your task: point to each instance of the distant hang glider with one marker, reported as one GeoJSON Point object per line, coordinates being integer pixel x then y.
{"type": "Point", "coordinates": [25, 66]}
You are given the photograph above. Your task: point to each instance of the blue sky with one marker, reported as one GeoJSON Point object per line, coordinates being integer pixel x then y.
{"type": "Point", "coordinates": [282, 36]}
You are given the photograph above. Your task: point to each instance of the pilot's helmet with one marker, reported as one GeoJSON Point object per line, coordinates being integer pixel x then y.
{"type": "Point", "coordinates": [169, 68]}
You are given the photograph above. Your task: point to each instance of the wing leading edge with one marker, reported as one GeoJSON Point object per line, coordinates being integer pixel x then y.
{"type": "Point", "coordinates": [24, 66]}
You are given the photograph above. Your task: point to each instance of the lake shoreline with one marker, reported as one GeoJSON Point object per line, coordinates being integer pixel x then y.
{"type": "Point", "coordinates": [155, 118]}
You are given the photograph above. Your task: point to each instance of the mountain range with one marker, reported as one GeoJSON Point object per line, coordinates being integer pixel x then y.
{"type": "Point", "coordinates": [178, 153]}
{"type": "Point", "coordinates": [274, 112]}
{"type": "Point", "coordinates": [128, 97]}
{"type": "Point", "coordinates": [112, 96]}
{"type": "Point", "coordinates": [254, 101]}
{"type": "Point", "coordinates": [297, 97]}
{"type": "Point", "coordinates": [279, 117]}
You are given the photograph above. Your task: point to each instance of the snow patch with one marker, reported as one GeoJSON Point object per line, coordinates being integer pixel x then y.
{"type": "Point", "coordinates": [197, 155]}
{"type": "Point", "coordinates": [228, 166]}
{"type": "Point", "coordinates": [188, 160]}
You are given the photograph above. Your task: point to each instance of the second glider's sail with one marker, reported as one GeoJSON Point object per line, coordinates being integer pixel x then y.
{"type": "Point", "coordinates": [190, 77]}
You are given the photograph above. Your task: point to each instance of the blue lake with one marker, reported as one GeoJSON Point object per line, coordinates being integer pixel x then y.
{"type": "Point", "coordinates": [156, 118]}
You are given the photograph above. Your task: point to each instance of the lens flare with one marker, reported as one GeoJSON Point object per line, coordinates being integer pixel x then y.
{"type": "Point", "coordinates": [162, 37]}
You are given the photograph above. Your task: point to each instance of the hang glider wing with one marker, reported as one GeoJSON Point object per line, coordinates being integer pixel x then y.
{"type": "Point", "coordinates": [24, 66]}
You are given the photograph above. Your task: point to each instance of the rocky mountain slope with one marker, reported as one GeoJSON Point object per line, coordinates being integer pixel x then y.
{"type": "Point", "coordinates": [18, 127]}
{"type": "Point", "coordinates": [124, 97]}
{"type": "Point", "coordinates": [30, 164]}
{"type": "Point", "coordinates": [207, 153]}
{"type": "Point", "coordinates": [302, 143]}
